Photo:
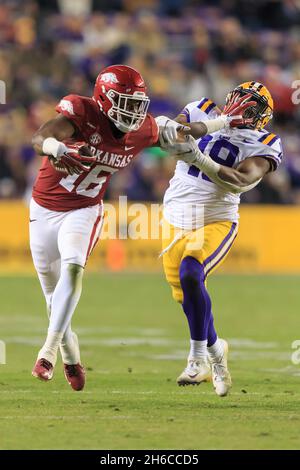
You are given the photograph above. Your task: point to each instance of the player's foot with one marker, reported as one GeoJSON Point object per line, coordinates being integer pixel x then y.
{"type": "Point", "coordinates": [220, 373]}
{"type": "Point", "coordinates": [197, 371]}
{"type": "Point", "coordinates": [43, 369]}
{"type": "Point", "coordinates": [75, 376]}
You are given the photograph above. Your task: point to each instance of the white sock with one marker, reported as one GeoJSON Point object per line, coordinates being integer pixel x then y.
{"type": "Point", "coordinates": [65, 297]}
{"type": "Point", "coordinates": [69, 349]}
{"type": "Point", "coordinates": [198, 349]}
{"type": "Point", "coordinates": [49, 350]}
{"type": "Point", "coordinates": [216, 351]}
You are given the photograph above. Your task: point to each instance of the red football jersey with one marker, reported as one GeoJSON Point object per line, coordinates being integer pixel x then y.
{"type": "Point", "coordinates": [59, 192]}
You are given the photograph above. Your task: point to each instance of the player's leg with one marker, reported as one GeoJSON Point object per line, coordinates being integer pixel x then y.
{"type": "Point", "coordinates": [76, 238]}
{"type": "Point", "coordinates": [195, 266]}
{"type": "Point", "coordinates": [186, 265]}
{"type": "Point", "coordinates": [46, 259]}
{"type": "Point", "coordinates": [174, 243]}
{"type": "Point", "coordinates": [69, 347]}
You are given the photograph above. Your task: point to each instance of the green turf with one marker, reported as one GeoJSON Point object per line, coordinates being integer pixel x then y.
{"type": "Point", "coordinates": [134, 343]}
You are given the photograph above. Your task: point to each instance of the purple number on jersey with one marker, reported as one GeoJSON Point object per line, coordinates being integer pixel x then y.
{"type": "Point", "coordinates": [214, 153]}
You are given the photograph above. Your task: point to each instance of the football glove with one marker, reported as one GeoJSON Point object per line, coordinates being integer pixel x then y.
{"type": "Point", "coordinates": [71, 159]}
{"type": "Point", "coordinates": [168, 130]}
{"type": "Point", "coordinates": [75, 159]}
{"type": "Point", "coordinates": [235, 109]}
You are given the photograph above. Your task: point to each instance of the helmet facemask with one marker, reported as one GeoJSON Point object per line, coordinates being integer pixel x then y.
{"type": "Point", "coordinates": [128, 112]}
{"type": "Point", "coordinates": [261, 112]}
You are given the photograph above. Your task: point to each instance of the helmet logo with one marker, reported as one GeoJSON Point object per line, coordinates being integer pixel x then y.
{"type": "Point", "coordinates": [66, 105]}
{"type": "Point", "coordinates": [109, 77]}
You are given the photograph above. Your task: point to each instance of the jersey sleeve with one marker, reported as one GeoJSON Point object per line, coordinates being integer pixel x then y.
{"type": "Point", "coordinates": [200, 110]}
{"type": "Point", "coordinates": [270, 147]}
{"type": "Point", "coordinates": [72, 107]}
{"type": "Point", "coordinates": [154, 131]}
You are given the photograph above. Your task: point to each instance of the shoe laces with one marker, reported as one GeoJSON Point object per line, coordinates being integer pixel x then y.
{"type": "Point", "coordinates": [72, 370]}
{"type": "Point", "coordinates": [46, 364]}
{"type": "Point", "coordinates": [219, 370]}
{"type": "Point", "coordinates": [195, 363]}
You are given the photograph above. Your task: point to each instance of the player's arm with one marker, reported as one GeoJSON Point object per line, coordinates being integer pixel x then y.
{"type": "Point", "coordinates": [58, 129]}
{"type": "Point", "coordinates": [232, 116]}
{"type": "Point", "coordinates": [248, 172]}
{"type": "Point", "coordinates": [236, 180]}
{"type": "Point", "coordinates": [48, 140]}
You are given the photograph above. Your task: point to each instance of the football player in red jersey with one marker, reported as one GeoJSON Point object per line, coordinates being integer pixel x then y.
{"type": "Point", "coordinates": [89, 140]}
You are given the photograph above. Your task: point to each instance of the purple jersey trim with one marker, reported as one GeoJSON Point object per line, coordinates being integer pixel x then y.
{"type": "Point", "coordinates": [210, 108]}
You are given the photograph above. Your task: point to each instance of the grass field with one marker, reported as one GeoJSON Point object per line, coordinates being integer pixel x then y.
{"type": "Point", "coordinates": [134, 344]}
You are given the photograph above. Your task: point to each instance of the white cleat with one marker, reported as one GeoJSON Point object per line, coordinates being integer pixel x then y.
{"type": "Point", "coordinates": [196, 372]}
{"type": "Point", "coordinates": [220, 374]}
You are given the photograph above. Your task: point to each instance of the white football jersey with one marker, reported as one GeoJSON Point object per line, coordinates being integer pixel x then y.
{"type": "Point", "coordinates": [192, 200]}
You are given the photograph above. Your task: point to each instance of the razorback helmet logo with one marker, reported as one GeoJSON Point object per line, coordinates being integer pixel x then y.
{"type": "Point", "coordinates": [120, 93]}
{"type": "Point", "coordinates": [109, 77]}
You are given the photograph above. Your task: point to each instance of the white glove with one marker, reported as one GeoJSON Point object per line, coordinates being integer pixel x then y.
{"type": "Point", "coordinates": [54, 147]}
{"type": "Point", "coordinates": [190, 153]}
{"type": "Point", "coordinates": [168, 130]}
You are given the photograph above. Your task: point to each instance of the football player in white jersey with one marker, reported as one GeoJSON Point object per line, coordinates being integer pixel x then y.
{"type": "Point", "coordinates": [201, 216]}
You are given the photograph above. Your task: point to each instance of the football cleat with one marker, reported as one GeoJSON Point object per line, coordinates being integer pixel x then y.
{"type": "Point", "coordinates": [75, 376]}
{"type": "Point", "coordinates": [197, 371]}
{"type": "Point", "coordinates": [220, 374]}
{"type": "Point", "coordinates": [43, 369]}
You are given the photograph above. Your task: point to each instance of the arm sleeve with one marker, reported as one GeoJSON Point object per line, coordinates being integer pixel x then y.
{"type": "Point", "coordinates": [72, 107]}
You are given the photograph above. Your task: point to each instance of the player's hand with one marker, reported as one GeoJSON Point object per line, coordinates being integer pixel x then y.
{"type": "Point", "coordinates": [234, 111]}
{"type": "Point", "coordinates": [168, 130]}
{"type": "Point", "coordinates": [187, 151]}
{"type": "Point", "coordinates": [75, 159]}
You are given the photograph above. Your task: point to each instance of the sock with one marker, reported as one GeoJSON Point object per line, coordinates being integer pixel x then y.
{"type": "Point", "coordinates": [211, 333]}
{"type": "Point", "coordinates": [216, 351]}
{"type": "Point", "coordinates": [65, 297]}
{"type": "Point", "coordinates": [198, 350]}
{"type": "Point", "coordinates": [196, 300]}
{"type": "Point", "coordinates": [69, 348]}
{"type": "Point", "coordinates": [49, 350]}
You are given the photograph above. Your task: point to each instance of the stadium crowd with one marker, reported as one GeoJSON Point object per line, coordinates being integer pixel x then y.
{"type": "Point", "coordinates": [184, 50]}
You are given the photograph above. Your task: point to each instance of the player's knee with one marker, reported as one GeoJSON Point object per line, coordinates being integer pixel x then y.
{"type": "Point", "coordinates": [191, 273]}
{"type": "Point", "coordinates": [75, 273]}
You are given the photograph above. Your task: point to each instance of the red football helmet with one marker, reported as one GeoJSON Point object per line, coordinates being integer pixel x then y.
{"type": "Point", "coordinates": [120, 92]}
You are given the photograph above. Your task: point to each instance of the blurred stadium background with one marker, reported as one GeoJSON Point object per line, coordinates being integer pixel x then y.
{"type": "Point", "coordinates": [185, 49]}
